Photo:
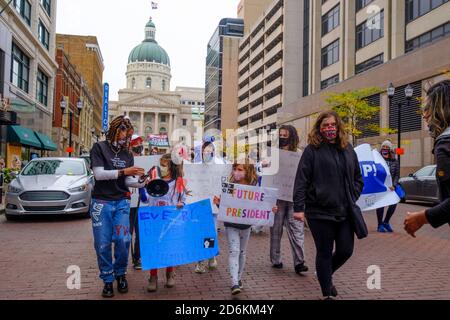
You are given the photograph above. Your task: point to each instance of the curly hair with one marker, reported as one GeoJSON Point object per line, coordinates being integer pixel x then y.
{"type": "Point", "coordinates": [114, 130]}
{"type": "Point", "coordinates": [294, 140]}
{"type": "Point", "coordinates": [438, 107]}
{"type": "Point", "coordinates": [315, 138]}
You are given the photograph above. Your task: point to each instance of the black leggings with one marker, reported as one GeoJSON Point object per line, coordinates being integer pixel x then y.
{"type": "Point", "coordinates": [326, 233]}
{"type": "Point", "coordinates": [390, 213]}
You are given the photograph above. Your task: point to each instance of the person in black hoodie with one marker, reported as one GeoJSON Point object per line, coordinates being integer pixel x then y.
{"type": "Point", "coordinates": [327, 178]}
{"type": "Point", "coordinates": [437, 114]}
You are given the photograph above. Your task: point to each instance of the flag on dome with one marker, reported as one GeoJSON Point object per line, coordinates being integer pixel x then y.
{"type": "Point", "coordinates": [154, 5]}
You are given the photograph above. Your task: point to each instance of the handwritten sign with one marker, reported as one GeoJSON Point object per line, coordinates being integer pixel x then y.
{"type": "Point", "coordinates": [146, 163]}
{"type": "Point", "coordinates": [171, 237]}
{"type": "Point", "coordinates": [284, 180]}
{"type": "Point", "coordinates": [247, 204]}
{"type": "Point", "coordinates": [205, 181]}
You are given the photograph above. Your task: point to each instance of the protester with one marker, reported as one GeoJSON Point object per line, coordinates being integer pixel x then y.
{"type": "Point", "coordinates": [238, 235]}
{"type": "Point", "coordinates": [388, 153]}
{"type": "Point", "coordinates": [173, 175]}
{"type": "Point", "coordinates": [328, 177]}
{"type": "Point", "coordinates": [114, 172]}
{"type": "Point", "coordinates": [137, 147]}
{"type": "Point", "coordinates": [437, 116]}
{"type": "Point", "coordinates": [154, 152]}
{"type": "Point", "coordinates": [295, 229]}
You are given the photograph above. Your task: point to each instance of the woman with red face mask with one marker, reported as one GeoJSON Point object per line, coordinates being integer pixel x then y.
{"type": "Point", "coordinates": [327, 184]}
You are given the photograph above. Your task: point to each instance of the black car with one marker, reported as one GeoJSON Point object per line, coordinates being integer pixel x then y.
{"type": "Point", "coordinates": [422, 185]}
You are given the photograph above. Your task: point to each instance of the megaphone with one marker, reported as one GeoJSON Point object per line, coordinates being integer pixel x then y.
{"type": "Point", "coordinates": [157, 187]}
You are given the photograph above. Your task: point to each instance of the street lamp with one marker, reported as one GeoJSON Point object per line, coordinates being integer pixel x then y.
{"type": "Point", "coordinates": [63, 106]}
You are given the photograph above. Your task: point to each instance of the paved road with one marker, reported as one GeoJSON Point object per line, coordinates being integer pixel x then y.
{"type": "Point", "coordinates": [35, 254]}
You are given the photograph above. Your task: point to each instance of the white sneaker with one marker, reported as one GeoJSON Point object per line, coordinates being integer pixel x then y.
{"type": "Point", "coordinates": [200, 268]}
{"type": "Point", "coordinates": [212, 264]}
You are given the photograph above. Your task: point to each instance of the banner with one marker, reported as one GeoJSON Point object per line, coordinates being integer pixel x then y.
{"type": "Point", "coordinates": [284, 180]}
{"type": "Point", "coordinates": [247, 205]}
{"type": "Point", "coordinates": [377, 180]}
{"type": "Point", "coordinates": [159, 140]}
{"type": "Point", "coordinates": [171, 237]}
{"type": "Point", "coordinates": [105, 111]}
{"type": "Point", "coordinates": [147, 163]}
{"type": "Point", "coordinates": [205, 181]}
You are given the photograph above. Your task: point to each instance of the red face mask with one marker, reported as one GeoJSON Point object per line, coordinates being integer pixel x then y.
{"type": "Point", "coordinates": [329, 133]}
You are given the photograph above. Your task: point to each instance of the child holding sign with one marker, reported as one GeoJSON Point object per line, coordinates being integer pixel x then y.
{"type": "Point", "coordinates": [239, 234]}
{"type": "Point", "coordinates": [173, 174]}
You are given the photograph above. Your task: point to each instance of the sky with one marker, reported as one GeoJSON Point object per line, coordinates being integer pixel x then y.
{"type": "Point", "coordinates": [183, 29]}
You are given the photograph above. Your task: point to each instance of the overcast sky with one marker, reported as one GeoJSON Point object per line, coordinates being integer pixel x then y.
{"type": "Point", "coordinates": [183, 29]}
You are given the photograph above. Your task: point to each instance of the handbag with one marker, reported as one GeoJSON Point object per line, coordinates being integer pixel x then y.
{"type": "Point", "coordinates": [400, 192]}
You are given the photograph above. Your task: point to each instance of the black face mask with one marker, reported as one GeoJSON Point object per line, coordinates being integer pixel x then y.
{"type": "Point", "coordinates": [284, 142]}
{"type": "Point", "coordinates": [138, 150]}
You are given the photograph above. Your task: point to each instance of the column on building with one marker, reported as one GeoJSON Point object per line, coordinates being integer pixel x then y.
{"type": "Point", "coordinates": [141, 127]}
{"type": "Point", "coordinates": [171, 128]}
{"type": "Point", "coordinates": [156, 130]}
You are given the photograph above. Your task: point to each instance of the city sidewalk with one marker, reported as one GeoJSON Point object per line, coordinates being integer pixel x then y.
{"type": "Point", "coordinates": [35, 255]}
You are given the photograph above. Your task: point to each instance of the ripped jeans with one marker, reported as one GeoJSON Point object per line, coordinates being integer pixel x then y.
{"type": "Point", "coordinates": [237, 245]}
{"type": "Point", "coordinates": [111, 224]}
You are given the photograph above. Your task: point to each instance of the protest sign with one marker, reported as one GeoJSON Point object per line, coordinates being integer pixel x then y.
{"type": "Point", "coordinates": [377, 180]}
{"type": "Point", "coordinates": [146, 163]}
{"type": "Point", "coordinates": [205, 181]}
{"type": "Point", "coordinates": [170, 237]}
{"type": "Point", "coordinates": [247, 205]}
{"type": "Point", "coordinates": [284, 180]}
{"type": "Point", "coordinates": [158, 140]}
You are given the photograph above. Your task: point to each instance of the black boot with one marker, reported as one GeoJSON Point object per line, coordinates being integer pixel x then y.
{"type": "Point", "coordinates": [108, 290]}
{"type": "Point", "coordinates": [301, 268]}
{"type": "Point", "coordinates": [122, 284]}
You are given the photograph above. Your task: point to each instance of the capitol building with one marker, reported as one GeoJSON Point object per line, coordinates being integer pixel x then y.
{"type": "Point", "coordinates": [147, 99]}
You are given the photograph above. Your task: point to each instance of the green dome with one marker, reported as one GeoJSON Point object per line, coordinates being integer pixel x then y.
{"type": "Point", "coordinates": [149, 51]}
{"type": "Point", "coordinates": [150, 24]}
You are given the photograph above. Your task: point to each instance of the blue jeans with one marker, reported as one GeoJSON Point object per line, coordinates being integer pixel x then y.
{"type": "Point", "coordinates": [111, 224]}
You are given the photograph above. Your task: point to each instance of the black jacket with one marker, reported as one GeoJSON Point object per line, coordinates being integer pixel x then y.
{"type": "Point", "coordinates": [440, 214]}
{"type": "Point", "coordinates": [318, 175]}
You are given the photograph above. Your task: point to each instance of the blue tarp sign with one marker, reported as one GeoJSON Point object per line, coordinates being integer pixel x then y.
{"type": "Point", "coordinates": [171, 237]}
{"type": "Point", "coordinates": [105, 113]}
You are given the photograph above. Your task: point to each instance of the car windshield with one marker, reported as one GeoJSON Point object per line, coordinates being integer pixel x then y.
{"type": "Point", "coordinates": [54, 167]}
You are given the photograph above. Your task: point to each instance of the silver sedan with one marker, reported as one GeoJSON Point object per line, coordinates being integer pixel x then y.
{"type": "Point", "coordinates": [50, 186]}
{"type": "Point", "coordinates": [422, 185]}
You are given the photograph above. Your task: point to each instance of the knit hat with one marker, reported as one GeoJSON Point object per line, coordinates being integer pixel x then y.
{"type": "Point", "coordinates": [387, 144]}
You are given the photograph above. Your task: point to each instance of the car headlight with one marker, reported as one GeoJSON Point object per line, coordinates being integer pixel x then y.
{"type": "Point", "coordinates": [13, 189]}
{"type": "Point", "coordinates": [79, 188]}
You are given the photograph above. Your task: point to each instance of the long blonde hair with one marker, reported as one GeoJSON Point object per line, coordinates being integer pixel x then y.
{"type": "Point", "coordinates": [438, 107]}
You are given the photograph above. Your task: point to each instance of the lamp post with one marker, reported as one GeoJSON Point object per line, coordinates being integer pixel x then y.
{"type": "Point", "coordinates": [63, 106]}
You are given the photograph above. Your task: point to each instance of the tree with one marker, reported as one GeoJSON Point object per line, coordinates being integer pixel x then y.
{"type": "Point", "coordinates": [353, 107]}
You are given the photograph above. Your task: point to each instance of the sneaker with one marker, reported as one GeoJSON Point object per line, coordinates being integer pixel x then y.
{"type": "Point", "coordinates": [212, 264]}
{"type": "Point", "coordinates": [137, 265]}
{"type": "Point", "coordinates": [122, 284]}
{"type": "Point", "coordinates": [381, 229]}
{"type": "Point", "coordinates": [388, 227]}
{"type": "Point", "coordinates": [200, 268]}
{"type": "Point", "coordinates": [235, 290]}
{"type": "Point", "coordinates": [152, 284]}
{"type": "Point", "coordinates": [301, 268]}
{"type": "Point", "coordinates": [278, 266]}
{"type": "Point", "coordinates": [334, 292]}
{"type": "Point", "coordinates": [108, 290]}
{"type": "Point", "coordinates": [170, 279]}
{"type": "Point", "coordinates": [241, 286]}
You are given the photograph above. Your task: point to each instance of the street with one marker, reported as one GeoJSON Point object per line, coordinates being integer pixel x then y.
{"type": "Point", "coordinates": [36, 253]}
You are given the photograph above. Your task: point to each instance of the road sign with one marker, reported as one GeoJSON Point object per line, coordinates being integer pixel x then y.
{"type": "Point", "coordinates": [105, 114]}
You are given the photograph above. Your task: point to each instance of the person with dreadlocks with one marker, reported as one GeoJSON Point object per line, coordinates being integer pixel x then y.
{"type": "Point", "coordinates": [173, 175]}
{"type": "Point", "coordinates": [437, 116]}
{"type": "Point", "coordinates": [114, 173]}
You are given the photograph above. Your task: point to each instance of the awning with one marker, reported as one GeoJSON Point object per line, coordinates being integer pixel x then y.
{"type": "Point", "coordinates": [47, 142]}
{"type": "Point", "coordinates": [8, 117]}
{"type": "Point", "coordinates": [21, 105]}
{"type": "Point", "coordinates": [24, 136]}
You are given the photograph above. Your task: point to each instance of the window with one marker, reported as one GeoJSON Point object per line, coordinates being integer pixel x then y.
{"type": "Point", "coordinates": [370, 31]}
{"type": "Point", "coordinates": [428, 37]}
{"type": "Point", "coordinates": [164, 85]}
{"type": "Point", "coordinates": [330, 54]}
{"type": "Point", "coordinates": [329, 82]}
{"type": "Point", "coordinates": [163, 130]}
{"type": "Point", "coordinates": [163, 118]}
{"type": "Point", "coordinates": [23, 7]}
{"type": "Point", "coordinates": [411, 117]}
{"type": "Point", "coordinates": [369, 64]}
{"type": "Point", "coordinates": [148, 131]}
{"type": "Point", "coordinates": [148, 82]}
{"type": "Point", "coordinates": [361, 4]}
{"type": "Point", "coordinates": [2, 71]}
{"type": "Point", "coordinates": [42, 88]}
{"type": "Point", "coordinates": [20, 68]}
{"type": "Point", "coordinates": [418, 8]}
{"type": "Point", "coordinates": [330, 20]}
{"type": "Point", "coordinates": [133, 83]}
{"type": "Point", "coordinates": [184, 122]}
{"type": "Point", "coordinates": [425, 172]}
{"type": "Point", "coordinates": [46, 4]}
{"type": "Point", "coordinates": [43, 35]}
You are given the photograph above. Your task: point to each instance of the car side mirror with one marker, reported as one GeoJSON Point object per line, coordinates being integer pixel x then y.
{"type": "Point", "coordinates": [411, 175]}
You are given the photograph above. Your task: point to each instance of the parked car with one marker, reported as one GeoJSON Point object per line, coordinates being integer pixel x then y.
{"type": "Point", "coordinates": [422, 185]}
{"type": "Point", "coordinates": [50, 186]}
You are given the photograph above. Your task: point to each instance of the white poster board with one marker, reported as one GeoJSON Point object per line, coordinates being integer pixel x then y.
{"type": "Point", "coordinates": [146, 163]}
{"type": "Point", "coordinates": [247, 205]}
{"type": "Point", "coordinates": [205, 181]}
{"type": "Point", "coordinates": [284, 180]}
